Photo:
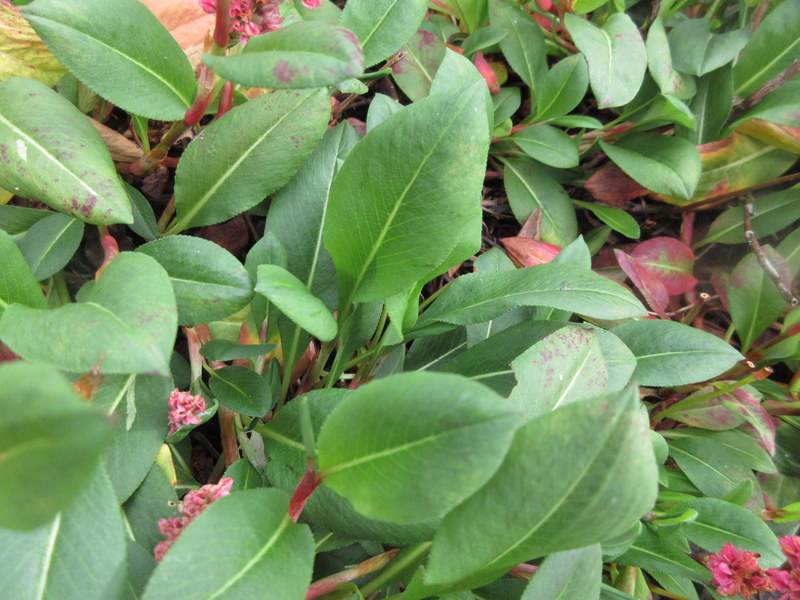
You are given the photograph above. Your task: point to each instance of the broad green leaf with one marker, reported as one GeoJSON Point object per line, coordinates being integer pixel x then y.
{"type": "Point", "coordinates": [659, 61]}
{"type": "Point", "coordinates": [753, 298]}
{"type": "Point", "coordinates": [22, 52]}
{"type": "Point", "coordinates": [49, 151]}
{"type": "Point", "coordinates": [273, 561]}
{"type": "Point", "coordinates": [326, 510]}
{"type": "Point", "coordinates": [577, 122]}
{"type": "Point", "coordinates": [228, 350]}
{"type": "Point", "coordinates": [144, 219]}
{"type": "Point", "coordinates": [306, 54]}
{"type": "Point", "coordinates": [662, 555]}
{"type": "Point", "coordinates": [482, 38]}
{"type": "Point", "coordinates": [415, 70]}
{"type": "Point", "coordinates": [121, 51]}
{"type": "Point", "coordinates": [154, 499]}
{"type": "Point", "coordinates": [242, 390]}
{"type": "Point", "coordinates": [447, 447]}
{"type": "Point", "coordinates": [17, 283]}
{"type": "Point", "coordinates": [523, 47]}
{"type": "Point", "coordinates": [44, 467]}
{"type": "Point", "coordinates": [566, 366]}
{"type": "Point", "coordinates": [570, 574]}
{"type": "Point", "coordinates": [434, 352]}
{"type": "Point", "coordinates": [616, 218]}
{"type": "Point", "coordinates": [584, 458]}
{"type": "Point", "coordinates": [85, 543]}
{"type": "Point", "coordinates": [719, 522]}
{"type": "Point", "coordinates": [471, 13]}
{"type": "Point", "coordinates": [663, 164]}
{"type": "Point", "coordinates": [775, 44]}
{"type": "Point", "coordinates": [50, 243]}
{"type": "Point", "coordinates": [457, 72]}
{"type": "Point", "coordinates": [562, 88]}
{"type": "Point", "coordinates": [548, 145]}
{"type": "Point", "coordinates": [382, 26]}
{"type": "Point", "coordinates": [209, 282]}
{"type": "Point", "coordinates": [697, 51]}
{"type": "Point", "coordinates": [616, 55]}
{"type": "Point", "coordinates": [249, 153]}
{"type": "Point", "coordinates": [711, 106]}
{"type": "Point", "coordinates": [292, 298]}
{"type": "Point", "coordinates": [478, 297]}
{"type": "Point", "coordinates": [412, 212]}
{"type": "Point", "coordinates": [773, 212]}
{"type": "Point", "coordinates": [780, 106]}
{"type": "Point", "coordinates": [670, 353]}
{"type": "Point", "coordinates": [530, 187]}
{"type": "Point", "coordinates": [137, 405]}
{"type": "Point", "coordinates": [18, 219]}
{"type": "Point", "coordinates": [506, 103]}
{"type": "Point", "coordinates": [126, 325]}
{"type": "Point", "coordinates": [381, 108]}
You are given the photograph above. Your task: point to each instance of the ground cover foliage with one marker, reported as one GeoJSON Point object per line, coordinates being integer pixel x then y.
{"type": "Point", "coordinates": [460, 299]}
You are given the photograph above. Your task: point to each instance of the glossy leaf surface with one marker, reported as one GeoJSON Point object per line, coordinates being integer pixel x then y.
{"type": "Point", "coordinates": [50, 152]}
{"type": "Point", "coordinates": [439, 451]}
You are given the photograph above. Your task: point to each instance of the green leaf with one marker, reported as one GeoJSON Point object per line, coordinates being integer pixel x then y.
{"type": "Point", "coordinates": [144, 220]}
{"type": "Point", "coordinates": [154, 499]}
{"type": "Point", "coordinates": [753, 298]}
{"type": "Point", "coordinates": [381, 108]}
{"type": "Point", "coordinates": [447, 447]}
{"type": "Point", "coordinates": [49, 151]}
{"type": "Point", "coordinates": [584, 458]}
{"type": "Point", "coordinates": [773, 212]}
{"type": "Point", "coordinates": [50, 243]}
{"type": "Point", "coordinates": [17, 283]}
{"type": "Point", "coordinates": [137, 405]}
{"type": "Point", "coordinates": [548, 145]}
{"type": "Point", "coordinates": [562, 88]}
{"type": "Point", "coordinates": [273, 561]}
{"type": "Point", "coordinates": [482, 38]}
{"type": "Point", "coordinates": [570, 574]}
{"type": "Point", "coordinates": [523, 47]}
{"type": "Point", "coordinates": [697, 51]}
{"type": "Point", "coordinates": [44, 467]}
{"type": "Point", "coordinates": [227, 350]}
{"type": "Point", "coordinates": [719, 522]}
{"type": "Point", "coordinates": [581, 7]}
{"type": "Point", "coordinates": [382, 26]}
{"type": "Point", "coordinates": [659, 61]}
{"type": "Point", "coordinates": [711, 106]}
{"type": "Point", "coordinates": [616, 55]}
{"type": "Point", "coordinates": [412, 212]}
{"type": "Point", "coordinates": [326, 510]}
{"type": "Point", "coordinates": [249, 153]}
{"type": "Point", "coordinates": [530, 187]}
{"type": "Point", "coordinates": [306, 54]}
{"type": "Point", "coordinates": [670, 353]}
{"type": "Point", "coordinates": [85, 543]}
{"type": "Point", "coordinates": [663, 164]}
{"type": "Point", "coordinates": [478, 297]}
{"type": "Point", "coordinates": [775, 44]}
{"type": "Point", "coordinates": [293, 299]}
{"type": "Point", "coordinates": [242, 390]}
{"type": "Point", "coordinates": [506, 103]}
{"type": "Point", "coordinates": [661, 555]}
{"type": "Point", "coordinates": [209, 282]}
{"type": "Point", "coordinates": [566, 366]}
{"type": "Point", "coordinates": [22, 52]}
{"type": "Point", "coordinates": [415, 70]}
{"type": "Point", "coordinates": [121, 51]}
{"type": "Point", "coordinates": [18, 219]}
{"type": "Point", "coordinates": [126, 325]}
{"type": "Point", "coordinates": [616, 218]}
{"type": "Point", "coordinates": [780, 106]}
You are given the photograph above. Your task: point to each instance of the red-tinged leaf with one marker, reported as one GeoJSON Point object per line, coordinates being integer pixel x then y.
{"type": "Point", "coordinates": [712, 414]}
{"type": "Point", "coordinates": [612, 186]}
{"type": "Point", "coordinates": [759, 422]}
{"type": "Point", "coordinates": [670, 261]}
{"type": "Point", "coordinates": [646, 281]}
{"type": "Point", "coordinates": [525, 252]}
{"type": "Point", "coordinates": [780, 136]}
{"type": "Point", "coordinates": [486, 71]}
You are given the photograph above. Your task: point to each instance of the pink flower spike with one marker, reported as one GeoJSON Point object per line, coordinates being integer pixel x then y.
{"type": "Point", "coordinates": [785, 581]}
{"type": "Point", "coordinates": [311, 4]}
{"type": "Point", "coordinates": [184, 409]}
{"type": "Point", "coordinates": [735, 571]}
{"type": "Point", "coordinates": [790, 545]}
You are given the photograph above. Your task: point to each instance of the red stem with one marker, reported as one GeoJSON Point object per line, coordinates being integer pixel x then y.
{"type": "Point", "coordinates": [222, 27]}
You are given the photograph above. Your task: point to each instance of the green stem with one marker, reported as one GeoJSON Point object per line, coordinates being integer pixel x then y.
{"type": "Point", "coordinates": [60, 288]}
{"type": "Point", "coordinates": [407, 557]}
{"type": "Point", "coordinates": [307, 432]}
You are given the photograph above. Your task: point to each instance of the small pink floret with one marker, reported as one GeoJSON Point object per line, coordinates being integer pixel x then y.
{"type": "Point", "coordinates": [311, 4]}
{"type": "Point", "coordinates": [250, 17]}
{"type": "Point", "coordinates": [184, 409]}
{"type": "Point", "coordinates": [192, 505]}
{"type": "Point", "coordinates": [735, 571]}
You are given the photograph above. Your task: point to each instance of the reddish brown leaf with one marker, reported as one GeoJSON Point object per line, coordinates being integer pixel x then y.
{"type": "Point", "coordinates": [653, 290]}
{"type": "Point", "coordinates": [612, 186]}
{"type": "Point", "coordinates": [525, 252]}
{"type": "Point", "coordinates": [759, 422]}
{"type": "Point", "coordinates": [486, 71]}
{"type": "Point", "coordinates": [712, 414]}
{"type": "Point", "coordinates": [670, 261]}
